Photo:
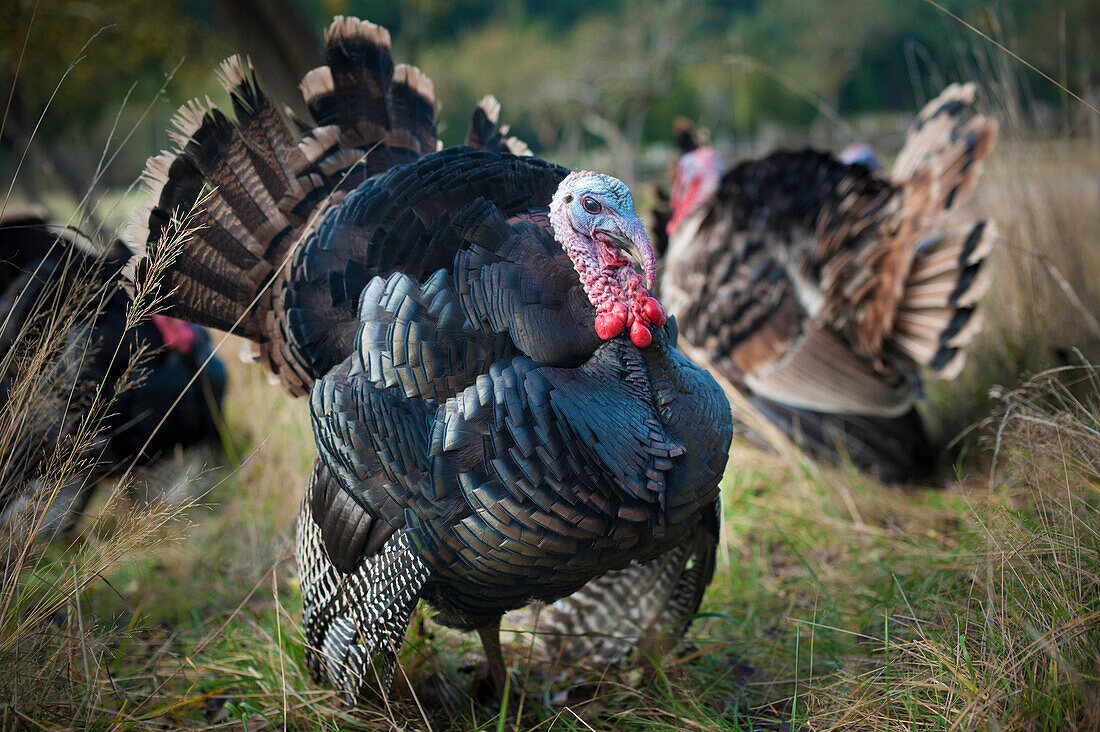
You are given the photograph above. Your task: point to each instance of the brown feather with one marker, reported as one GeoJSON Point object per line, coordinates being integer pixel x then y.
{"type": "Point", "coordinates": [821, 372]}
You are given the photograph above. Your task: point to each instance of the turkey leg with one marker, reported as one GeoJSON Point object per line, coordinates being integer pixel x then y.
{"type": "Point", "coordinates": [494, 658]}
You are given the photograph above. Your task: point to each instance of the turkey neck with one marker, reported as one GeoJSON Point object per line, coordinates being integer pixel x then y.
{"type": "Point", "coordinates": [671, 386]}
{"type": "Point", "coordinates": [677, 294]}
{"type": "Point", "coordinates": [696, 414]}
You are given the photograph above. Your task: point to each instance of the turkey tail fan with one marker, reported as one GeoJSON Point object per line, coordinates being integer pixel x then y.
{"type": "Point", "coordinates": [941, 161]}
{"type": "Point", "coordinates": [937, 317]}
{"type": "Point", "coordinates": [369, 114]}
{"type": "Point", "coordinates": [216, 219]}
{"type": "Point", "coordinates": [231, 203]}
{"type": "Point", "coordinates": [944, 143]}
{"type": "Point", "coordinates": [484, 134]}
{"type": "Point", "coordinates": [370, 117]}
{"type": "Point", "coordinates": [891, 448]}
{"type": "Point", "coordinates": [645, 606]}
{"type": "Point", "coordinates": [938, 169]}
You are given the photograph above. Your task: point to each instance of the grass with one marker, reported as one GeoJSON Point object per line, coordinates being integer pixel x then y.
{"type": "Point", "coordinates": [838, 602]}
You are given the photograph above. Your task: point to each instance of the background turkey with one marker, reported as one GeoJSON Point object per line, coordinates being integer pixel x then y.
{"type": "Point", "coordinates": [819, 289]}
{"type": "Point", "coordinates": [481, 443]}
{"type": "Point", "coordinates": [87, 394]}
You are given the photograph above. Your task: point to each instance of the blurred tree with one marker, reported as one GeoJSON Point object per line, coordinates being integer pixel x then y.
{"type": "Point", "coordinates": [573, 75]}
{"type": "Point", "coordinates": [601, 79]}
{"type": "Point", "coordinates": [61, 94]}
{"type": "Point", "coordinates": [892, 54]}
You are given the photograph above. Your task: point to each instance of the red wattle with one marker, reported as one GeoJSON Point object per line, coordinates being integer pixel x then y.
{"type": "Point", "coordinates": [177, 335]}
{"type": "Point", "coordinates": [673, 223]}
{"type": "Point", "coordinates": [640, 334]}
{"type": "Point", "coordinates": [621, 311]}
{"type": "Point", "coordinates": [609, 325]}
{"type": "Point", "coordinates": [655, 312]}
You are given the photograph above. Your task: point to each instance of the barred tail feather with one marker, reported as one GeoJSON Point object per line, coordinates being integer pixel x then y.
{"type": "Point", "coordinates": [414, 106]}
{"type": "Point", "coordinates": [357, 53]}
{"type": "Point", "coordinates": [945, 147]}
{"type": "Point", "coordinates": [483, 123]}
{"type": "Point", "coordinates": [937, 317]}
{"type": "Point", "coordinates": [938, 169]}
{"type": "Point", "coordinates": [230, 204]}
{"type": "Point", "coordinates": [642, 607]}
{"type": "Point", "coordinates": [354, 617]}
{"type": "Point", "coordinates": [484, 134]}
{"type": "Point", "coordinates": [377, 114]}
{"type": "Point", "coordinates": [214, 213]}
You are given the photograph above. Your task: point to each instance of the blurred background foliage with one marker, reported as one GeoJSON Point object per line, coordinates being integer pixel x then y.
{"type": "Point", "coordinates": [574, 77]}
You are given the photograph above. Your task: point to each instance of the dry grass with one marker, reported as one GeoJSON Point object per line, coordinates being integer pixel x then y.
{"type": "Point", "coordinates": [1045, 299]}
{"type": "Point", "coordinates": [51, 650]}
{"type": "Point", "coordinates": [997, 625]}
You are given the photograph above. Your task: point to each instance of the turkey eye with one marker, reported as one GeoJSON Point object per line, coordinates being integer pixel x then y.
{"type": "Point", "coordinates": [591, 205]}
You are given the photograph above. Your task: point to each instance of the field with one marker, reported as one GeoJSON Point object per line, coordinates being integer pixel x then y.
{"type": "Point", "coordinates": [969, 602]}
{"type": "Point", "coordinates": [973, 603]}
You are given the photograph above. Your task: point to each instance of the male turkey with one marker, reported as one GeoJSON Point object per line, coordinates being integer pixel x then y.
{"type": "Point", "coordinates": [819, 288]}
{"type": "Point", "coordinates": [92, 406]}
{"type": "Point", "coordinates": [499, 414]}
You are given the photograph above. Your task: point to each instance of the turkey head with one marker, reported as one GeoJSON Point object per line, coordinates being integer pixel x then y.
{"type": "Point", "coordinates": [594, 220]}
{"type": "Point", "coordinates": [697, 177]}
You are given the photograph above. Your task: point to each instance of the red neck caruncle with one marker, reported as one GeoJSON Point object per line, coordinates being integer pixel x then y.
{"type": "Point", "coordinates": [177, 335]}
{"type": "Point", "coordinates": [698, 176]}
{"type": "Point", "coordinates": [594, 220]}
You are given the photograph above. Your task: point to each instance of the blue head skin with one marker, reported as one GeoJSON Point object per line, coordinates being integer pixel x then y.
{"type": "Point", "coordinates": [594, 221]}
{"type": "Point", "coordinates": [862, 154]}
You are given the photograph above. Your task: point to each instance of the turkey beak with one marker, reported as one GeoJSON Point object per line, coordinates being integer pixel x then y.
{"type": "Point", "coordinates": [630, 238]}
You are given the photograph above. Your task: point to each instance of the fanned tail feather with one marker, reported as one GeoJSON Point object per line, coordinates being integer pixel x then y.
{"type": "Point", "coordinates": [369, 114]}
{"type": "Point", "coordinates": [484, 133]}
{"type": "Point", "coordinates": [938, 145]}
{"type": "Point", "coordinates": [938, 169]}
{"type": "Point", "coordinates": [214, 230]}
{"type": "Point", "coordinates": [232, 201]}
{"type": "Point", "coordinates": [937, 316]}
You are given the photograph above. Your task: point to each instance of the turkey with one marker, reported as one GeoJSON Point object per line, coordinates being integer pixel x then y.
{"type": "Point", "coordinates": [60, 294]}
{"type": "Point", "coordinates": [500, 411]}
{"type": "Point", "coordinates": [818, 288]}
